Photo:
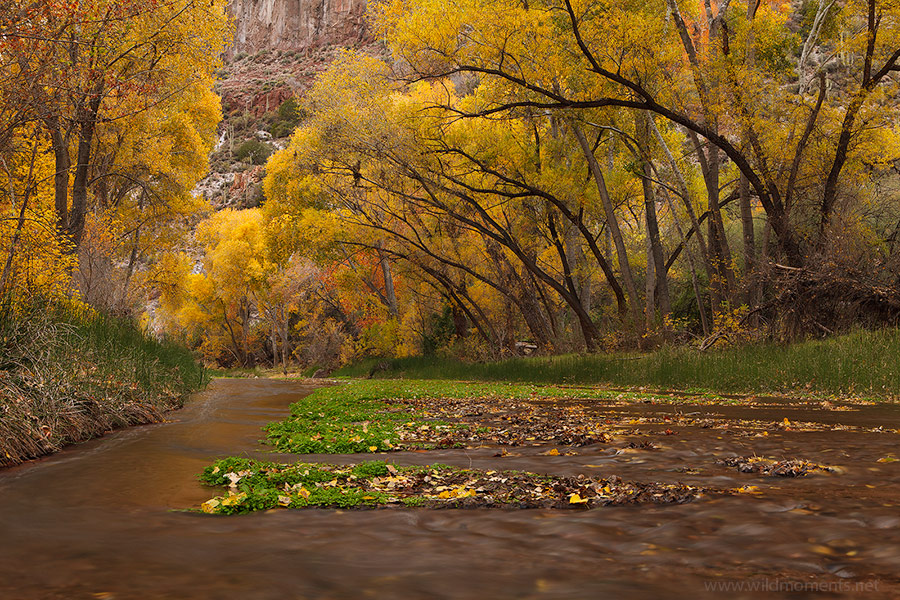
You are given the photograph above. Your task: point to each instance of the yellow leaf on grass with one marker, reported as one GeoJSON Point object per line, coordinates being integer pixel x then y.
{"type": "Point", "coordinates": [234, 499]}
{"type": "Point", "coordinates": [373, 448]}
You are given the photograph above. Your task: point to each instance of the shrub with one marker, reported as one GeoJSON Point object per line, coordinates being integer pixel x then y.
{"type": "Point", "coordinates": [253, 151]}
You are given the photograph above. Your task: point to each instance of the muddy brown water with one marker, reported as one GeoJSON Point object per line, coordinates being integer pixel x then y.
{"type": "Point", "coordinates": [100, 519]}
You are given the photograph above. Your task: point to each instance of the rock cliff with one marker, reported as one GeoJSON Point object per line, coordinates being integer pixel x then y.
{"type": "Point", "coordinates": [279, 48]}
{"type": "Point", "coordinates": [296, 24]}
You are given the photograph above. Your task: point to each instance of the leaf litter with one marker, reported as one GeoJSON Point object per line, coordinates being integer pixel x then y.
{"type": "Point", "coordinates": [423, 419]}
{"type": "Point", "coordinates": [258, 485]}
{"type": "Point", "coordinates": [769, 467]}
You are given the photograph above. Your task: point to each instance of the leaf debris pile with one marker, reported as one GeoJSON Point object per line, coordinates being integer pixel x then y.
{"type": "Point", "coordinates": [510, 422]}
{"type": "Point", "coordinates": [425, 415]}
{"type": "Point", "coordinates": [258, 485]}
{"type": "Point", "coordinates": [767, 467]}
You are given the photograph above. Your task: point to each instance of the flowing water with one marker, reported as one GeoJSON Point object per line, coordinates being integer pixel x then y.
{"type": "Point", "coordinates": [101, 519]}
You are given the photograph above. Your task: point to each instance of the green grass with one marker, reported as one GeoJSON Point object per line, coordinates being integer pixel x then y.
{"type": "Point", "coordinates": [861, 363]}
{"type": "Point", "coordinates": [369, 416]}
{"type": "Point", "coordinates": [67, 375]}
{"type": "Point", "coordinates": [344, 420]}
{"type": "Point", "coordinates": [263, 485]}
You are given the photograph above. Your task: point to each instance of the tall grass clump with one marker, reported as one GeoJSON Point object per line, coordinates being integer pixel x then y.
{"type": "Point", "coordinates": [862, 363]}
{"type": "Point", "coordinates": [68, 373]}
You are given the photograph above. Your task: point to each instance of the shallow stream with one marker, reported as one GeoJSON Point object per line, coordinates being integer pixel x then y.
{"type": "Point", "coordinates": [102, 520]}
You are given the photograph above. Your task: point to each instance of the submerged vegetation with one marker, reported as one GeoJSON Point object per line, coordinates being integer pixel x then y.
{"type": "Point", "coordinates": [69, 373]}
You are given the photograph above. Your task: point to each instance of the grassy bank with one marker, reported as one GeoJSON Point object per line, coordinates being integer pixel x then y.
{"type": "Point", "coordinates": [68, 375]}
{"type": "Point", "coordinates": [862, 363]}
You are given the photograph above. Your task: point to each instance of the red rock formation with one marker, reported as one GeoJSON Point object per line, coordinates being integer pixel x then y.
{"type": "Point", "coordinates": [246, 178]}
{"type": "Point", "coordinates": [296, 24]}
{"type": "Point", "coordinates": [266, 101]}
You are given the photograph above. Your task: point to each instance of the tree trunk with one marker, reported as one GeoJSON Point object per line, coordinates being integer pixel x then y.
{"type": "Point", "coordinates": [285, 342]}
{"type": "Point", "coordinates": [698, 296]}
{"type": "Point", "coordinates": [20, 221]}
{"type": "Point", "coordinates": [88, 120]}
{"type": "Point", "coordinates": [61, 177]}
{"type": "Point", "coordinates": [245, 332]}
{"type": "Point", "coordinates": [650, 287]}
{"type": "Point", "coordinates": [749, 242]}
{"type": "Point", "coordinates": [687, 200]}
{"type": "Point", "coordinates": [584, 321]}
{"type": "Point", "coordinates": [656, 250]}
{"type": "Point", "coordinates": [521, 295]}
{"type": "Point", "coordinates": [710, 163]}
{"type": "Point", "coordinates": [389, 292]}
{"type": "Point", "coordinates": [612, 223]}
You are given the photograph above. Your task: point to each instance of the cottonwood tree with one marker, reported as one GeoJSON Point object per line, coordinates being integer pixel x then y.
{"type": "Point", "coordinates": [101, 63]}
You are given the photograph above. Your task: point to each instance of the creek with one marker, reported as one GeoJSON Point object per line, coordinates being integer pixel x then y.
{"type": "Point", "coordinates": [104, 519]}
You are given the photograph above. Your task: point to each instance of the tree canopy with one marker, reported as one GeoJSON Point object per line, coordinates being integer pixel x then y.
{"type": "Point", "coordinates": [505, 177]}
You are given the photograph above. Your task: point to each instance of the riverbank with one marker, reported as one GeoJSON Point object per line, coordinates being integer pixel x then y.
{"type": "Point", "coordinates": [862, 363]}
{"type": "Point", "coordinates": [70, 374]}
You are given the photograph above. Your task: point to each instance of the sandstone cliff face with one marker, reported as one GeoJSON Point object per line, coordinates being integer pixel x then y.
{"type": "Point", "coordinates": [295, 24]}
{"type": "Point", "coordinates": [279, 48]}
